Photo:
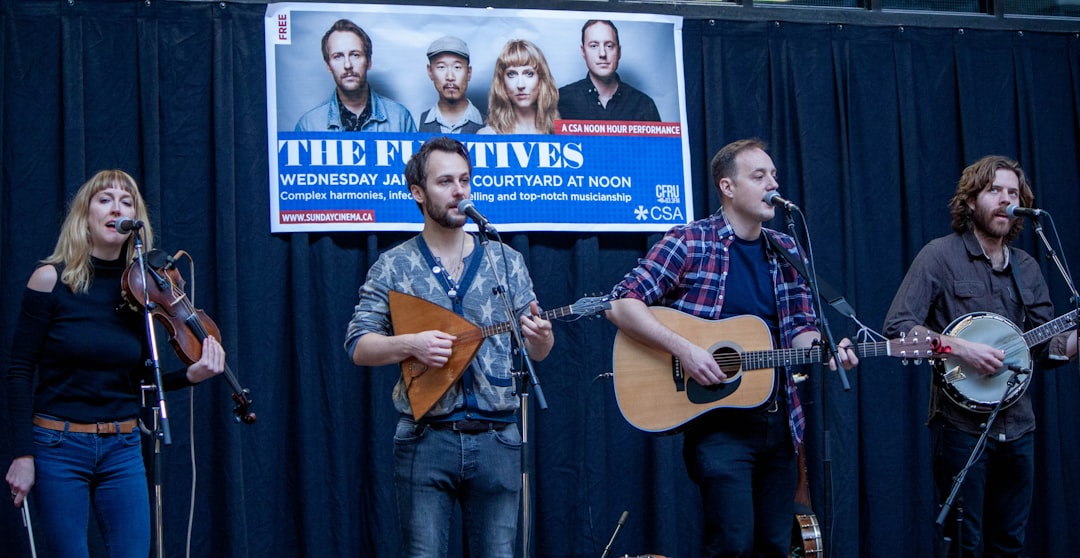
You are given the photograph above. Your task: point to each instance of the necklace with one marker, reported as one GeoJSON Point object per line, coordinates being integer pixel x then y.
{"type": "Point", "coordinates": [450, 273]}
{"type": "Point", "coordinates": [457, 266]}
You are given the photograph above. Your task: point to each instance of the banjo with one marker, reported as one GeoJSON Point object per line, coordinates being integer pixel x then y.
{"type": "Point", "coordinates": [981, 393]}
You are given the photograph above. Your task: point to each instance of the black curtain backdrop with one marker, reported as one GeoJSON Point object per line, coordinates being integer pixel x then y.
{"type": "Point", "coordinates": [869, 126]}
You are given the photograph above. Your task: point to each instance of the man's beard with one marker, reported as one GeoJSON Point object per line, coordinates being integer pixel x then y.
{"type": "Point", "coordinates": [351, 87]}
{"type": "Point", "coordinates": [983, 220]}
{"type": "Point", "coordinates": [441, 215]}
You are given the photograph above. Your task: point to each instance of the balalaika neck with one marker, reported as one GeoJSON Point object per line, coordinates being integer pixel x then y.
{"type": "Point", "coordinates": [503, 327]}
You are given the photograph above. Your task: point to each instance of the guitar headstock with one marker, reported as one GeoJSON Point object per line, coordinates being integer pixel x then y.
{"type": "Point", "coordinates": [591, 306]}
{"type": "Point", "coordinates": [918, 344]}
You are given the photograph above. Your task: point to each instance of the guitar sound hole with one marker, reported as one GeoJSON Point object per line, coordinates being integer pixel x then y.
{"type": "Point", "coordinates": [729, 360]}
{"type": "Point", "coordinates": [731, 364]}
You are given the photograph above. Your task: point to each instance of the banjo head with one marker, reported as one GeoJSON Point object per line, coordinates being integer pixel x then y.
{"type": "Point", "coordinates": [970, 389]}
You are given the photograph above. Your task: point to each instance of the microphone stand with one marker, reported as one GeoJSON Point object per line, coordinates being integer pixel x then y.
{"type": "Point", "coordinates": [811, 279]}
{"type": "Point", "coordinates": [518, 353]}
{"type": "Point", "coordinates": [827, 338]}
{"type": "Point", "coordinates": [622, 520]}
{"type": "Point", "coordinates": [161, 433]}
{"type": "Point", "coordinates": [976, 452]}
{"type": "Point", "coordinates": [1062, 266]}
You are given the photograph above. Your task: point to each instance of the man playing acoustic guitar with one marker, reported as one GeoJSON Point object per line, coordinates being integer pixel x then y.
{"type": "Point", "coordinates": [726, 266]}
{"type": "Point", "coordinates": [950, 287]}
{"type": "Point", "coordinates": [467, 447]}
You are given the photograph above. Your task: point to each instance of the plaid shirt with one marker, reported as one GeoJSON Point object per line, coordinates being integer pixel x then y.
{"type": "Point", "coordinates": [686, 269]}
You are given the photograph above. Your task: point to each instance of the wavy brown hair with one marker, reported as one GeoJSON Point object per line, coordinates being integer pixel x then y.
{"type": "Point", "coordinates": [519, 52]}
{"type": "Point", "coordinates": [74, 245]}
{"type": "Point", "coordinates": [979, 176]}
{"type": "Point", "coordinates": [346, 26]}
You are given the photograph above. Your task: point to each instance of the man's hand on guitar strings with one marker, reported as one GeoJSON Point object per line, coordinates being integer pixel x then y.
{"type": "Point", "coordinates": [845, 349]}
{"type": "Point", "coordinates": [701, 365]}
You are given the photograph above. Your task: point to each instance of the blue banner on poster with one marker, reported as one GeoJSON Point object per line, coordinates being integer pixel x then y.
{"type": "Point", "coordinates": [584, 168]}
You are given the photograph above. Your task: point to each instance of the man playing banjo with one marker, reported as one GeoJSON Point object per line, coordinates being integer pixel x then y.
{"type": "Point", "coordinates": [977, 290]}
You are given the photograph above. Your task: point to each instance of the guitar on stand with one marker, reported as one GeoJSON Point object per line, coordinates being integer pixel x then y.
{"type": "Point", "coordinates": [806, 538]}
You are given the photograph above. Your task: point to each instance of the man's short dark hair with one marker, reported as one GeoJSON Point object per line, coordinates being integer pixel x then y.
{"type": "Point", "coordinates": [348, 27]}
{"type": "Point", "coordinates": [723, 163]}
{"type": "Point", "coordinates": [592, 22]}
{"type": "Point", "coordinates": [416, 168]}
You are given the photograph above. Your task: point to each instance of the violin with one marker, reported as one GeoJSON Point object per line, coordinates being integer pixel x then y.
{"type": "Point", "coordinates": [187, 326]}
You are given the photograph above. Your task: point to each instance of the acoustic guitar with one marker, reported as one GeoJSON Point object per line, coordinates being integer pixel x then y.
{"type": "Point", "coordinates": [655, 395]}
{"type": "Point", "coordinates": [981, 393]}
{"type": "Point", "coordinates": [410, 314]}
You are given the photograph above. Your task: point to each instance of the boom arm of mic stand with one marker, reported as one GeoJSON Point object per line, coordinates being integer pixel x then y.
{"type": "Point", "coordinates": [826, 334]}
{"type": "Point", "coordinates": [1057, 261]}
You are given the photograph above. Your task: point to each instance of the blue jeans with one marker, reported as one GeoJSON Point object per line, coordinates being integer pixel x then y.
{"type": "Point", "coordinates": [481, 472]}
{"type": "Point", "coordinates": [996, 494]}
{"type": "Point", "coordinates": [744, 465]}
{"type": "Point", "coordinates": [74, 471]}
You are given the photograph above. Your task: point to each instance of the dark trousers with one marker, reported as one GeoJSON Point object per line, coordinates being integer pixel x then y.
{"type": "Point", "coordinates": [995, 499]}
{"type": "Point", "coordinates": [744, 465]}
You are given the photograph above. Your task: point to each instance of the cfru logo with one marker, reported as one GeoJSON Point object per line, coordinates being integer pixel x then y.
{"type": "Point", "coordinates": [667, 193]}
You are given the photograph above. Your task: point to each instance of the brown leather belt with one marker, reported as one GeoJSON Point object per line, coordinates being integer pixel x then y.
{"type": "Point", "coordinates": [116, 427]}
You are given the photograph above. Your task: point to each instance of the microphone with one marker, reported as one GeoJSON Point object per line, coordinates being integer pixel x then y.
{"type": "Point", "coordinates": [469, 208]}
{"type": "Point", "coordinates": [622, 520]}
{"type": "Point", "coordinates": [158, 259]}
{"type": "Point", "coordinates": [774, 199]}
{"type": "Point", "coordinates": [127, 224]}
{"type": "Point", "coordinates": [1018, 369]}
{"type": "Point", "coordinates": [1015, 211]}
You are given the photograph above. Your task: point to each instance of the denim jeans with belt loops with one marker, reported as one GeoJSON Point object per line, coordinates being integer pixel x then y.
{"type": "Point", "coordinates": [433, 468]}
{"type": "Point", "coordinates": [75, 472]}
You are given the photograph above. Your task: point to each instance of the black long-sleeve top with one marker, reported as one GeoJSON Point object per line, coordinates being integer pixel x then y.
{"type": "Point", "coordinates": [89, 352]}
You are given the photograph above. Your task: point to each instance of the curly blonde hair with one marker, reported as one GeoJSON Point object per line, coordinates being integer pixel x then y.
{"type": "Point", "coordinates": [75, 244]}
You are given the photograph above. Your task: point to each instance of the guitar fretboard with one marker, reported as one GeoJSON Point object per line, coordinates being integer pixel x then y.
{"type": "Point", "coordinates": [756, 360]}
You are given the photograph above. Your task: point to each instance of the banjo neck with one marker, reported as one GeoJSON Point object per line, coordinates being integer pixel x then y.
{"type": "Point", "coordinates": [1061, 324]}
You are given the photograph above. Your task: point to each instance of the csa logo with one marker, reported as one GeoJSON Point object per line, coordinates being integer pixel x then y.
{"type": "Point", "coordinates": [658, 213]}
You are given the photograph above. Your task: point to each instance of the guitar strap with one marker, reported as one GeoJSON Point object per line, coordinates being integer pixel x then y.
{"type": "Point", "coordinates": [835, 299]}
{"type": "Point", "coordinates": [1018, 285]}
